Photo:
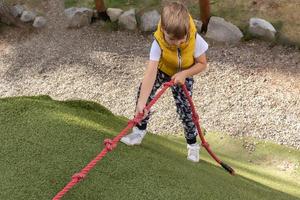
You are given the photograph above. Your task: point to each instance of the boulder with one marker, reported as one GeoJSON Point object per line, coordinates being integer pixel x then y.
{"type": "Point", "coordinates": [222, 31]}
{"type": "Point", "coordinates": [28, 16]}
{"type": "Point", "coordinates": [39, 22]}
{"type": "Point", "coordinates": [149, 21]}
{"type": "Point", "coordinates": [261, 28]}
{"type": "Point", "coordinates": [78, 17]}
{"type": "Point", "coordinates": [114, 13]}
{"type": "Point", "coordinates": [127, 20]}
{"type": "Point", "coordinates": [198, 24]}
{"type": "Point", "coordinates": [17, 10]}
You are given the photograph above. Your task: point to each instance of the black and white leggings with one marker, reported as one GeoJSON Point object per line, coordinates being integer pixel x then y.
{"type": "Point", "coordinates": [182, 104]}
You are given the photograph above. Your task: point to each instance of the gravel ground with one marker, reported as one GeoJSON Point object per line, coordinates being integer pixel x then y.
{"type": "Point", "coordinates": [251, 89]}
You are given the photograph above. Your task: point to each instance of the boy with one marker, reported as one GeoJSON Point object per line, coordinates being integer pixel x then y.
{"type": "Point", "coordinates": [177, 53]}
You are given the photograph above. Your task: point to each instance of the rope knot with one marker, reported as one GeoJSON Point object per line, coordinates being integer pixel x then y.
{"type": "Point", "coordinates": [109, 144]}
{"type": "Point", "coordinates": [78, 177]}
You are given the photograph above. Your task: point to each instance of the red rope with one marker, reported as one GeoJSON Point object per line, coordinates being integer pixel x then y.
{"type": "Point", "coordinates": [196, 122]}
{"type": "Point", "coordinates": [109, 146]}
{"type": "Point", "coordinates": [112, 144]}
{"type": "Point", "coordinates": [204, 143]}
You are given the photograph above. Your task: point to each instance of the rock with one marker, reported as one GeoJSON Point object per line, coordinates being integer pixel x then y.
{"type": "Point", "coordinates": [17, 10]}
{"type": "Point", "coordinates": [6, 15]}
{"type": "Point", "coordinates": [28, 16]}
{"type": "Point", "coordinates": [198, 25]}
{"type": "Point", "coordinates": [261, 28]}
{"type": "Point", "coordinates": [78, 17]}
{"type": "Point", "coordinates": [114, 13]}
{"type": "Point", "coordinates": [149, 21]}
{"type": "Point", "coordinates": [127, 20]}
{"type": "Point", "coordinates": [39, 22]}
{"type": "Point", "coordinates": [222, 31]}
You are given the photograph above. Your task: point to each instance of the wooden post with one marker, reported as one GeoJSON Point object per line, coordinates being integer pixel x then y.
{"type": "Point", "coordinates": [100, 6]}
{"type": "Point", "coordinates": [204, 14]}
{"type": "Point", "coordinates": [101, 10]}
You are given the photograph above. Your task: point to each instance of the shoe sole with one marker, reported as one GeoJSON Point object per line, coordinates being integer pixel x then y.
{"type": "Point", "coordinates": [194, 161]}
{"type": "Point", "coordinates": [128, 144]}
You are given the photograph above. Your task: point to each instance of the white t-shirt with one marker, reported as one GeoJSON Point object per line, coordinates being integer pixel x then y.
{"type": "Point", "coordinates": [200, 48]}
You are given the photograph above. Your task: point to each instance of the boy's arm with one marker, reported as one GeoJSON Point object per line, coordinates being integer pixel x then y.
{"type": "Point", "coordinates": [199, 66]}
{"type": "Point", "coordinates": [147, 85]}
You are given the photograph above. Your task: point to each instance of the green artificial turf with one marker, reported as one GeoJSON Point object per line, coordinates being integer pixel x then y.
{"type": "Point", "coordinates": [44, 142]}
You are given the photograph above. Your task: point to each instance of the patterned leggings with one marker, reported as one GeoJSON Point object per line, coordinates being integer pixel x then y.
{"type": "Point", "coordinates": [182, 104]}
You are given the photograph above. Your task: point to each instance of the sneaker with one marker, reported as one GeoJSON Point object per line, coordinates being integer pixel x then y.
{"type": "Point", "coordinates": [193, 152]}
{"type": "Point", "coordinates": [135, 137]}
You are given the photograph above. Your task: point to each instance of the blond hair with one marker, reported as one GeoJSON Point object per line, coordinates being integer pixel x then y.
{"type": "Point", "coordinates": [175, 20]}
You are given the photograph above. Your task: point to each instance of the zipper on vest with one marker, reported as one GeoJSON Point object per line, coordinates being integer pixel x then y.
{"type": "Point", "coordinates": [179, 60]}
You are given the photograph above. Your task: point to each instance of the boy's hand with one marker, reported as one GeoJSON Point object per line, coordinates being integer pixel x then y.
{"type": "Point", "coordinates": [179, 78]}
{"type": "Point", "coordinates": [140, 109]}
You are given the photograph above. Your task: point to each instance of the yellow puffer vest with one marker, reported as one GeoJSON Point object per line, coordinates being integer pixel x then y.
{"type": "Point", "coordinates": [174, 59]}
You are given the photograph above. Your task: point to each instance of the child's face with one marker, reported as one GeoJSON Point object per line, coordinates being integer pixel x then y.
{"type": "Point", "coordinates": [174, 41]}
